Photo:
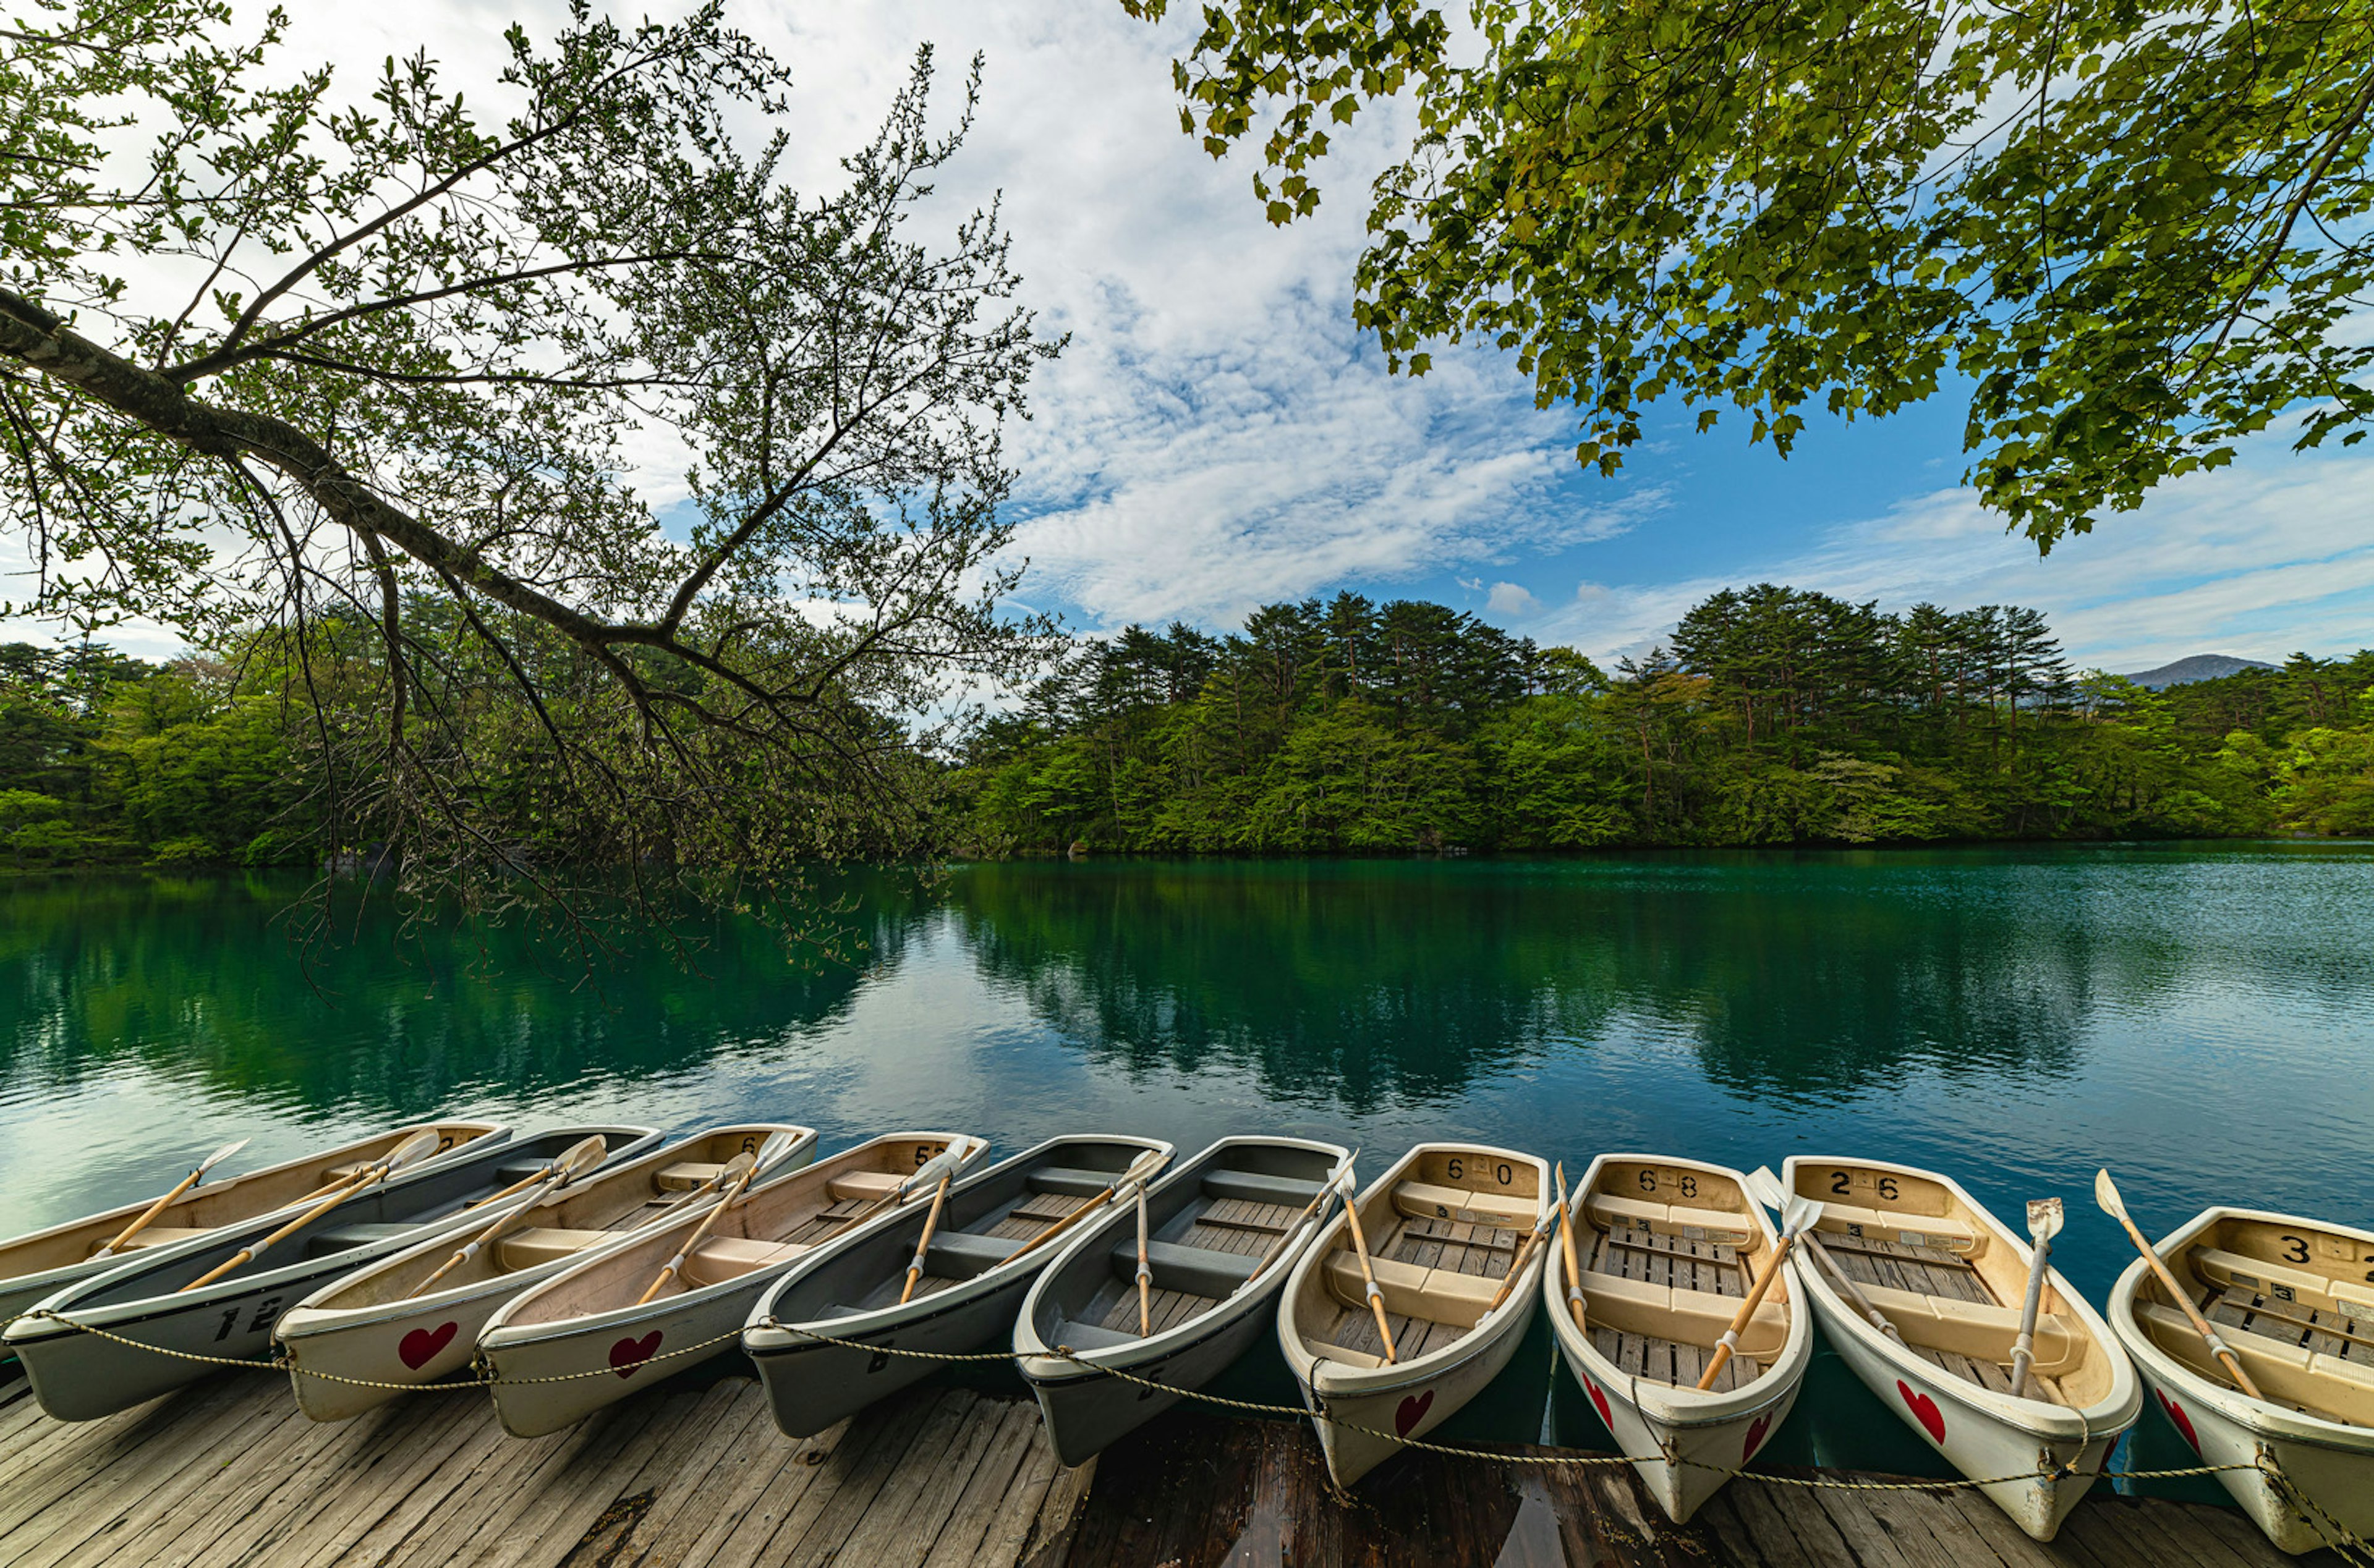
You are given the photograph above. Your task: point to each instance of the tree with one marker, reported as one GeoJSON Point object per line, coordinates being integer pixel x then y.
{"type": "Point", "coordinates": [2130, 232]}
{"type": "Point", "coordinates": [362, 380]}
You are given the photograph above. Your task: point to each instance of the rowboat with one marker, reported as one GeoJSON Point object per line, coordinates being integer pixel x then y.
{"type": "Point", "coordinates": [1667, 1251]}
{"type": "Point", "coordinates": [1950, 1278]}
{"type": "Point", "coordinates": [45, 1262]}
{"type": "Point", "coordinates": [1223, 1230]}
{"type": "Point", "coordinates": [152, 1299]}
{"type": "Point", "coordinates": [2294, 1300]}
{"type": "Point", "coordinates": [352, 1344]}
{"type": "Point", "coordinates": [589, 1318]}
{"type": "Point", "coordinates": [1446, 1229]}
{"type": "Point", "coordinates": [989, 1239]}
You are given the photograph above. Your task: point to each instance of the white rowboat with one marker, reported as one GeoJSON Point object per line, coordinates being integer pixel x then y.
{"type": "Point", "coordinates": [1444, 1227]}
{"type": "Point", "coordinates": [976, 1271]}
{"type": "Point", "coordinates": [349, 1341]}
{"type": "Point", "coordinates": [586, 1330]}
{"type": "Point", "coordinates": [2294, 1300]}
{"type": "Point", "coordinates": [1950, 1278]}
{"type": "Point", "coordinates": [1224, 1231]}
{"type": "Point", "coordinates": [1668, 1250]}
{"type": "Point", "coordinates": [46, 1261]}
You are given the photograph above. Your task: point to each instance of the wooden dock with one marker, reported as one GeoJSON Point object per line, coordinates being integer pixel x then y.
{"type": "Point", "coordinates": [691, 1475]}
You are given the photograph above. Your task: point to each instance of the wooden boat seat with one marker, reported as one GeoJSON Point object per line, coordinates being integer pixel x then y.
{"type": "Point", "coordinates": [156, 1236]}
{"type": "Point", "coordinates": [1198, 1270]}
{"type": "Point", "coordinates": [2293, 1374]}
{"type": "Point", "coordinates": [868, 1186]}
{"type": "Point", "coordinates": [1637, 1306]}
{"type": "Point", "coordinates": [1612, 1211]}
{"type": "Point", "coordinates": [1913, 1229]}
{"type": "Point", "coordinates": [685, 1174]}
{"type": "Point", "coordinates": [1420, 1200]}
{"type": "Point", "coordinates": [518, 1170]}
{"type": "Point", "coordinates": [532, 1244]}
{"type": "Point", "coordinates": [1410, 1290]}
{"type": "Point", "coordinates": [1069, 1183]}
{"type": "Point", "coordinates": [1074, 1335]}
{"type": "Point", "coordinates": [1344, 1355]}
{"type": "Point", "coordinates": [2216, 1267]}
{"type": "Point", "coordinates": [720, 1259]}
{"type": "Point", "coordinates": [1251, 1187]}
{"type": "Point", "coordinates": [960, 1254]}
{"type": "Point", "coordinates": [1980, 1330]}
{"type": "Point", "coordinates": [338, 1238]}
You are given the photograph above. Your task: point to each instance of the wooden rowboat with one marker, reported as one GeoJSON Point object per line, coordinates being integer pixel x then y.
{"type": "Point", "coordinates": [46, 1261]}
{"type": "Point", "coordinates": [152, 1300]}
{"type": "Point", "coordinates": [1224, 1231]}
{"type": "Point", "coordinates": [1445, 1228]}
{"type": "Point", "coordinates": [1950, 1278]}
{"type": "Point", "coordinates": [368, 1330]}
{"type": "Point", "coordinates": [588, 1318]}
{"type": "Point", "coordinates": [2294, 1300]}
{"type": "Point", "coordinates": [976, 1268]}
{"type": "Point", "coordinates": [1668, 1250]}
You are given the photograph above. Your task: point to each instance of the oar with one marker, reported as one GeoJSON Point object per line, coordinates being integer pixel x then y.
{"type": "Point", "coordinates": [187, 1182]}
{"type": "Point", "coordinates": [2043, 1225]}
{"type": "Point", "coordinates": [1566, 1242]}
{"type": "Point", "coordinates": [1524, 1256]}
{"type": "Point", "coordinates": [924, 1242]}
{"type": "Point", "coordinates": [1145, 1273]}
{"type": "Point", "coordinates": [403, 1154]}
{"type": "Point", "coordinates": [1369, 1278]}
{"type": "Point", "coordinates": [1794, 1218]}
{"type": "Point", "coordinates": [1766, 1188]}
{"type": "Point", "coordinates": [938, 1168]}
{"type": "Point", "coordinates": [1326, 1187]}
{"type": "Point", "coordinates": [2105, 1193]}
{"type": "Point", "coordinates": [738, 1171]}
{"type": "Point", "coordinates": [581, 1156]}
{"type": "Point", "coordinates": [549, 1169]}
{"type": "Point", "coordinates": [1098, 1202]}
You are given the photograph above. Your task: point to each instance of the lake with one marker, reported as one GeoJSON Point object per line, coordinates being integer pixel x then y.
{"type": "Point", "coordinates": [2198, 1017]}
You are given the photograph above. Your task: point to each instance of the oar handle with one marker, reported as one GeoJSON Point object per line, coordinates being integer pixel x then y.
{"type": "Point", "coordinates": [136, 1226]}
{"type": "Point", "coordinates": [2183, 1298]}
{"type": "Point", "coordinates": [1369, 1278]}
{"type": "Point", "coordinates": [250, 1254]}
{"type": "Point", "coordinates": [1755, 1292]}
{"type": "Point", "coordinates": [924, 1242]}
{"type": "Point", "coordinates": [1145, 1273]}
{"type": "Point", "coordinates": [2023, 1349]}
{"type": "Point", "coordinates": [1517, 1265]}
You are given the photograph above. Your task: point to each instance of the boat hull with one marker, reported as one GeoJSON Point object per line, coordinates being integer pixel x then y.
{"type": "Point", "coordinates": [1363, 1418]}
{"type": "Point", "coordinates": [1086, 1413]}
{"type": "Point", "coordinates": [811, 1384]}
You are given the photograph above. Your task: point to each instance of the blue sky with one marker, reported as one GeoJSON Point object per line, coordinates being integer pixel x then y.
{"type": "Point", "coordinates": [1218, 436]}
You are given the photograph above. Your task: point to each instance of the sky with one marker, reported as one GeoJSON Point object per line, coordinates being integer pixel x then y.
{"type": "Point", "coordinates": [1218, 436]}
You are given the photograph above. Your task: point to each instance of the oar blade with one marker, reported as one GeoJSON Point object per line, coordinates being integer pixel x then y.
{"type": "Point", "coordinates": [219, 1155]}
{"type": "Point", "coordinates": [2105, 1193]}
{"type": "Point", "coordinates": [580, 1157]}
{"type": "Point", "coordinates": [416, 1147]}
{"type": "Point", "coordinates": [2044, 1218]}
{"type": "Point", "coordinates": [1764, 1187]}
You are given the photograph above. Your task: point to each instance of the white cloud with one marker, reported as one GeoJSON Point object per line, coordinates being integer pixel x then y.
{"type": "Point", "coordinates": [1509, 599]}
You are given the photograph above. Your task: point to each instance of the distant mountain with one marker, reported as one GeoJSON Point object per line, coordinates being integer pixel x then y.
{"type": "Point", "coordinates": [2200, 667]}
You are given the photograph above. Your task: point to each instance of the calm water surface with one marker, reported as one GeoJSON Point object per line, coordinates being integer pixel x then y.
{"type": "Point", "coordinates": [2199, 1018]}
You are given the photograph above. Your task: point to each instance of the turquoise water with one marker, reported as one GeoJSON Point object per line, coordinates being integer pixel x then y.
{"type": "Point", "coordinates": [2199, 1018]}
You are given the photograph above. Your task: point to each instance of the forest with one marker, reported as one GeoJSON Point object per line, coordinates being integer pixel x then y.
{"type": "Point", "coordinates": [1772, 716]}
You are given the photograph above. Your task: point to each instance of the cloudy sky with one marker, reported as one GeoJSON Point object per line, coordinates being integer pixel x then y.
{"type": "Point", "coordinates": [1217, 435]}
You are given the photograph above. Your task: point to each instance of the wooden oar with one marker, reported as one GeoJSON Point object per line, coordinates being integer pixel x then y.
{"type": "Point", "coordinates": [2043, 1225]}
{"type": "Point", "coordinates": [545, 1174]}
{"type": "Point", "coordinates": [738, 1170]}
{"type": "Point", "coordinates": [945, 1163]}
{"type": "Point", "coordinates": [403, 1154]}
{"type": "Point", "coordinates": [580, 1157]}
{"type": "Point", "coordinates": [1369, 1278]}
{"type": "Point", "coordinates": [2105, 1193]}
{"type": "Point", "coordinates": [1524, 1256]}
{"type": "Point", "coordinates": [924, 1242]}
{"type": "Point", "coordinates": [187, 1182]}
{"type": "Point", "coordinates": [1766, 1188]}
{"type": "Point", "coordinates": [1566, 1242]}
{"type": "Point", "coordinates": [1724, 1347]}
{"type": "Point", "coordinates": [1327, 1186]}
{"type": "Point", "coordinates": [1093, 1204]}
{"type": "Point", "coordinates": [1145, 1273]}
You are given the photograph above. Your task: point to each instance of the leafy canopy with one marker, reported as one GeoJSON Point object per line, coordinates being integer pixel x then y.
{"type": "Point", "coordinates": [2134, 232]}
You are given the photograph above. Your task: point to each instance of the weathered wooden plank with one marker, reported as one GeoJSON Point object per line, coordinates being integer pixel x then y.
{"type": "Point", "coordinates": [733, 1423]}
{"type": "Point", "coordinates": [995, 1474]}
{"type": "Point", "coordinates": [369, 1461]}
{"type": "Point", "coordinates": [926, 1494]}
{"type": "Point", "coordinates": [1992, 1525]}
{"type": "Point", "coordinates": [424, 1461]}
{"type": "Point", "coordinates": [551, 1517]}
{"type": "Point", "coordinates": [838, 1522]}
{"type": "Point", "coordinates": [765, 1470]}
{"type": "Point", "coordinates": [177, 1503]}
{"type": "Point", "coordinates": [101, 1453]}
{"type": "Point", "coordinates": [773, 1525]}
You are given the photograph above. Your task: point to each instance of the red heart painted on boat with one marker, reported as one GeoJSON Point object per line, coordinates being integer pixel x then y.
{"type": "Point", "coordinates": [1756, 1431]}
{"type": "Point", "coordinates": [1599, 1400]}
{"type": "Point", "coordinates": [2181, 1421]}
{"type": "Point", "coordinates": [420, 1348]}
{"type": "Point", "coordinates": [1411, 1412]}
{"type": "Point", "coordinates": [628, 1355]}
{"type": "Point", "coordinates": [1924, 1411]}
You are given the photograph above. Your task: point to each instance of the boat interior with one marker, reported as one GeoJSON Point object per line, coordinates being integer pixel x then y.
{"type": "Point", "coordinates": [1938, 1268]}
{"type": "Point", "coordinates": [1667, 1252]}
{"type": "Point", "coordinates": [779, 1223]}
{"type": "Point", "coordinates": [216, 1204]}
{"type": "Point", "coordinates": [1208, 1228]}
{"type": "Point", "coordinates": [2294, 1302]}
{"type": "Point", "coordinates": [595, 1209]}
{"type": "Point", "coordinates": [1441, 1234]}
{"type": "Point", "coordinates": [993, 1217]}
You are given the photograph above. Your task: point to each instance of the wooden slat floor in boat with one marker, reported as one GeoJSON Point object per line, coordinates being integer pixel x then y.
{"type": "Point", "coordinates": [1239, 1225]}
{"type": "Point", "coordinates": [1671, 1361]}
{"type": "Point", "coordinates": [825, 1223]}
{"type": "Point", "coordinates": [1672, 1262]}
{"type": "Point", "coordinates": [1166, 1309]}
{"type": "Point", "coordinates": [1992, 1375]}
{"type": "Point", "coordinates": [2293, 1323]}
{"type": "Point", "coordinates": [1479, 1249]}
{"type": "Point", "coordinates": [1925, 1270]}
